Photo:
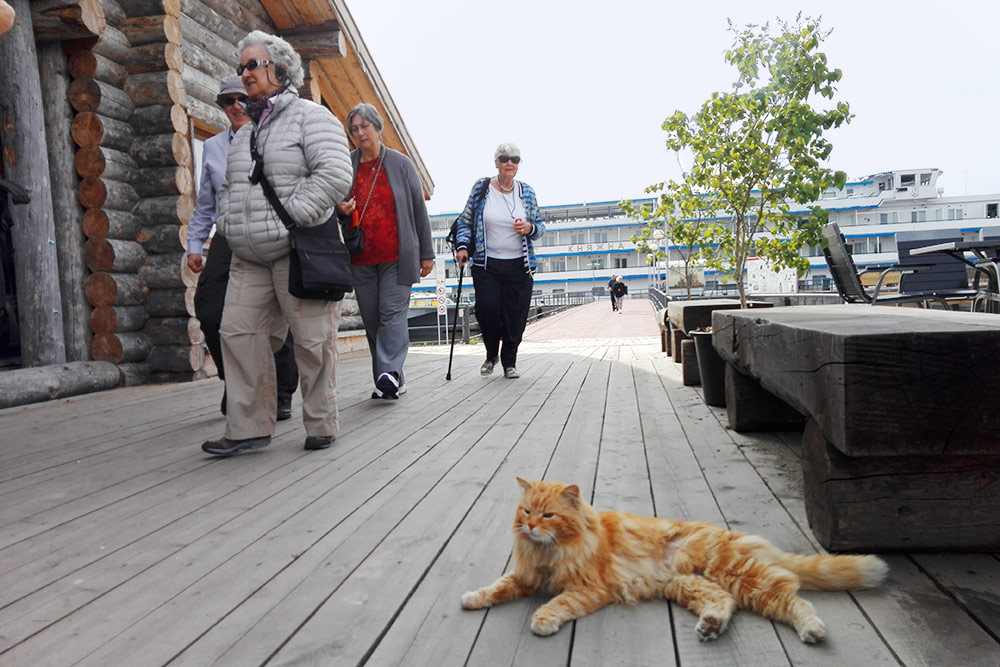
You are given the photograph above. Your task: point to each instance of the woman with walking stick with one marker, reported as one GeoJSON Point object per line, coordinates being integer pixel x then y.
{"type": "Point", "coordinates": [496, 228]}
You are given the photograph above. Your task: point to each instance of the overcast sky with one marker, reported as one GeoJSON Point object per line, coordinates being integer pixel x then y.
{"type": "Point", "coordinates": [583, 86]}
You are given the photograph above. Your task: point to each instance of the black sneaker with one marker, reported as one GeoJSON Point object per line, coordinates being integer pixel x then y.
{"type": "Point", "coordinates": [388, 384]}
{"type": "Point", "coordinates": [319, 441]}
{"type": "Point", "coordinates": [284, 408]}
{"type": "Point", "coordinates": [227, 447]}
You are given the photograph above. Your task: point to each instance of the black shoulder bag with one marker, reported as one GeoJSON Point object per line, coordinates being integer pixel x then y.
{"type": "Point", "coordinates": [319, 266]}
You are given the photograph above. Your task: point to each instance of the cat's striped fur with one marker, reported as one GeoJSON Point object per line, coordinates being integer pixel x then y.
{"type": "Point", "coordinates": [586, 559]}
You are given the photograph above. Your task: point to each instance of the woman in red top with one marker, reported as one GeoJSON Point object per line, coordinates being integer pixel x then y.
{"type": "Point", "coordinates": [387, 201]}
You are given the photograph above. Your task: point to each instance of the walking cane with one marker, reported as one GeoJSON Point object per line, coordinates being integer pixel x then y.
{"type": "Point", "coordinates": [454, 325]}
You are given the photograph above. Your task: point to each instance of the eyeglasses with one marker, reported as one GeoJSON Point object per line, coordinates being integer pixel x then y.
{"type": "Point", "coordinates": [504, 159]}
{"type": "Point", "coordinates": [357, 129]}
{"type": "Point", "coordinates": [229, 100]}
{"type": "Point", "coordinates": [252, 65]}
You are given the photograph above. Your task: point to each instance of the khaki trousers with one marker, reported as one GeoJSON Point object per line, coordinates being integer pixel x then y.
{"type": "Point", "coordinates": [256, 299]}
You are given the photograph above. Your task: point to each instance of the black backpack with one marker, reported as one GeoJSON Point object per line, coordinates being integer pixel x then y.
{"type": "Point", "coordinates": [452, 238]}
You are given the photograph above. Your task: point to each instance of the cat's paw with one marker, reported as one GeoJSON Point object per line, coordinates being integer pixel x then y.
{"type": "Point", "coordinates": [711, 625]}
{"type": "Point", "coordinates": [543, 625]}
{"type": "Point", "coordinates": [811, 630]}
{"type": "Point", "coordinates": [474, 600]}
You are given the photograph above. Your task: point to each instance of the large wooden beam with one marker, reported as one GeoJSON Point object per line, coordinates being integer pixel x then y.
{"type": "Point", "coordinates": [26, 162]}
{"type": "Point", "coordinates": [317, 42]}
{"type": "Point", "coordinates": [59, 20]}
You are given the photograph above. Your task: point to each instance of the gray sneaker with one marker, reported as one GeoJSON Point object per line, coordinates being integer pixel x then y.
{"type": "Point", "coordinates": [487, 367]}
{"type": "Point", "coordinates": [511, 373]}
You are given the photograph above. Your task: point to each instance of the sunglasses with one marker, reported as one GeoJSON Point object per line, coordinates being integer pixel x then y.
{"type": "Point", "coordinates": [252, 65]}
{"type": "Point", "coordinates": [229, 100]}
{"type": "Point", "coordinates": [504, 159]}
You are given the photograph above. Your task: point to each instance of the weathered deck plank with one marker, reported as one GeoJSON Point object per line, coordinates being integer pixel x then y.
{"type": "Point", "coordinates": [119, 538]}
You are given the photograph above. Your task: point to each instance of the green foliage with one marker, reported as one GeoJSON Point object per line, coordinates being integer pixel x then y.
{"type": "Point", "coordinates": [760, 147]}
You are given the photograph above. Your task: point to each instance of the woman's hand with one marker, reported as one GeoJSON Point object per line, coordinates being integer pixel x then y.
{"type": "Point", "coordinates": [522, 227]}
{"type": "Point", "coordinates": [425, 267]}
{"type": "Point", "coordinates": [347, 206]}
{"type": "Point", "coordinates": [462, 256]}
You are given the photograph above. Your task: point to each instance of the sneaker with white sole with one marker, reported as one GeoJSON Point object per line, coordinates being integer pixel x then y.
{"type": "Point", "coordinates": [487, 367]}
{"type": "Point", "coordinates": [388, 384]}
{"type": "Point", "coordinates": [511, 373]}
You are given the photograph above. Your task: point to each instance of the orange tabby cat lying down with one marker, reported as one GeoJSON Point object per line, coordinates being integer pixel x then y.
{"type": "Point", "coordinates": [563, 547]}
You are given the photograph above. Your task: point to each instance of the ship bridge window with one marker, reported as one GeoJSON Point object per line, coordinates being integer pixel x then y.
{"type": "Point", "coordinates": [925, 179]}
{"type": "Point", "coordinates": [906, 180]}
{"type": "Point", "coordinates": [991, 210]}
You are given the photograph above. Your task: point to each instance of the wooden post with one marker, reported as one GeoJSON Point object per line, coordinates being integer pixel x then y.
{"type": "Point", "coordinates": [66, 211]}
{"type": "Point", "coordinates": [25, 160]}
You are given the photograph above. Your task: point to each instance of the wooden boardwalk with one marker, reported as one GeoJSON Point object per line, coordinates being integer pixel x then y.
{"type": "Point", "coordinates": [122, 544]}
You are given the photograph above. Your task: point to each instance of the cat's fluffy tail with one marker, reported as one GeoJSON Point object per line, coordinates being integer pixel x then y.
{"type": "Point", "coordinates": [822, 572]}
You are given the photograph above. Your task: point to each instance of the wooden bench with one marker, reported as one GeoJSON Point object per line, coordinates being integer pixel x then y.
{"type": "Point", "coordinates": [902, 442]}
{"type": "Point", "coordinates": [686, 316]}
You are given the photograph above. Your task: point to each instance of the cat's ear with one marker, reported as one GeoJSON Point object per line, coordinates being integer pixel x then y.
{"type": "Point", "coordinates": [525, 484]}
{"type": "Point", "coordinates": [572, 494]}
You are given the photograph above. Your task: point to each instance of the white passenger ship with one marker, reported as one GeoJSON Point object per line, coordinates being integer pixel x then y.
{"type": "Point", "coordinates": [585, 243]}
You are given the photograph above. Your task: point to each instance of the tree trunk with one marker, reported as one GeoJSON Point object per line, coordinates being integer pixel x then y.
{"type": "Point", "coordinates": [87, 64]}
{"type": "Point", "coordinates": [114, 15]}
{"type": "Point", "coordinates": [207, 62]}
{"type": "Point", "coordinates": [92, 95]}
{"type": "Point", "coordinates": [34, 385]}
{"type": "Point", "coordinates": [163, 271]}
{"type": "Point", "coordinates": [91, 129]}
{"type": "Point", "coordinates": [58, 20]}
{"type": "Point", "coordinates": [156, 7]}
{"type": "Point", "coordinates": [155, 57]}
{"type": "Point", "coordinates": [99, 224]}
{"type": "Point", "coordinates": [170, 119]}
{"type": "Point", "coordinates": [172, 331]}
{"type": "Point", "coordinates": [113, 319]}
{"type": "Point", "coordinates": [162, 150]}
{"type": "Point", "coordinates": [114, 289]}
{"type": "Point", "coordinates": [96, 192]}
{"type": "Point", "coordinates": [317, 42]}
{"type": "Point", "coordinates": [177, 358]}
{"type": "Point", "coordinates": [25, 161]}
{"type": "Point", "coordinates": [113, 44]}
{"type": "Point", "coordinates": [134, 375]}
{"type": "Point", "coordinates": [66, 211]}
{"type": "Point", "coordinates": [161, 181]}
{"type": "Point", "coordinates": [106, 162]}
{"type": "Point", "coordinates": [168, 210]}
{"type": "Point", "coordinates": [127, 347]}
{"type": "Point", "coordinates": [114, 255]}
{"type": "Point", "coordinates": [157, 88]}
{"type": "Point", "coordinates": [199, 35]}
{"type": "Point", "coordinates": [168, 303]}
{"type": "Point", "coordinates": [142, 30]}
{"type": "Point", "coordinates": [163, 238]}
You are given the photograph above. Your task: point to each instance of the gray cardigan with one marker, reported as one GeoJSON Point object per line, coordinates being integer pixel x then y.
{"type": "Point", "coordinates": [412, 223]}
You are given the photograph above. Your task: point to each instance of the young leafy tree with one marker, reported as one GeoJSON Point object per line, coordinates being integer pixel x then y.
{"type": "Point", "coordinates": [760, 148]}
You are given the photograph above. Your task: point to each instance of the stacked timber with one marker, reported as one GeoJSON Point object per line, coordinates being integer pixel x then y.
{"type": "Point", "coordinates": [164, 185]}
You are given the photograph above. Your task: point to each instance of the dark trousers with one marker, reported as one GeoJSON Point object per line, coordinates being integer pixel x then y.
{"type": "Point", "coordinates": [503, 297]}
{"type": "Point", "coordinates": [208, 302]}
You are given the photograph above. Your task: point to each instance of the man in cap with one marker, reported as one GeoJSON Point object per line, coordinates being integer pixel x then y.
{"type": "Point", "coordinates": [211, 294]}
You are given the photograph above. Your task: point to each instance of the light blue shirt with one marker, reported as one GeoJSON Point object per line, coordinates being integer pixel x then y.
{"type": "Point", "coordinates": [213, 171]}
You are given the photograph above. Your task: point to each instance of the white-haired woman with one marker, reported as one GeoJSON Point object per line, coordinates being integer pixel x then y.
{"type": "Point", "coordinates": [304, 155]}
{"type": "Point", "coordinates": [496, 229]}
{"type": "Point", "coordinates": [387, 201]}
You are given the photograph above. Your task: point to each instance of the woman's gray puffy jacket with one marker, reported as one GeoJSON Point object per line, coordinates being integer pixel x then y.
{"type": "Point", "coordinates": [306, 159]}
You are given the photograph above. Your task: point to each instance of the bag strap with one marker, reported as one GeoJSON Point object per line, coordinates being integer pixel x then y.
{"type": "Point", "coordinates": [269, 192]}
{"type": "Point", "coordinates": [381, 155]}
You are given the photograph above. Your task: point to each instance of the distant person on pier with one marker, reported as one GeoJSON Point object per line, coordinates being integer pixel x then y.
{"type": "Point", "coordinates": [611, 284]}
{"type": "Point", "coordinates": [496, 229]}
{"type": "Point", "coordinates": [211, 294]}
{"type": "Point", "coordinates": [302, 151]}
{"type": "Point", "coordinates": [618, 293]}
{"type": "Point", "coordinates": [387, 202]}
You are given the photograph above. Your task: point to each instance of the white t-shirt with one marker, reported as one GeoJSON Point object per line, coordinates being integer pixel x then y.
{"type": "Point", "coordinates": [499, 214]}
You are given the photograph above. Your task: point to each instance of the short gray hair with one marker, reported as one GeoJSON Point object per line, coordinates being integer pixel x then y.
{"type": "Point", "coordinates": [281, 52]}
{"type": "Point", "coordinates": [507, 149]}
{"type": "Point", "coordinates": [367, 112]}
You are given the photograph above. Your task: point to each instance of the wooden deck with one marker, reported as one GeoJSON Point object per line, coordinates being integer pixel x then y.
{"type": "Point", "coordinates": [122, 544]}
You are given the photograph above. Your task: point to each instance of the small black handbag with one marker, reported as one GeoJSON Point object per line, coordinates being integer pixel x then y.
{"type": "Point", "coordinates": [319, 266]}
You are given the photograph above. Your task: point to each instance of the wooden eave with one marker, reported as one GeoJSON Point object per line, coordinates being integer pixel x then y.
{"type": "Point", "coordinates": [344, 81]}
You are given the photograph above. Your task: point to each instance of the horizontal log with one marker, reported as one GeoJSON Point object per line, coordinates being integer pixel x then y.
{"type": "Point", "coordinates": [162, 150]}
{"type": "Point", "coordinates": [113, 255]}
{"type": "Point", "coordinates": [172, 331]}
{"type": "Point", "coordinates": [160, 181]}
{"type": "Point", "coordinates": [112, 44]}
{"type": "Point", "coordinates": [210, 114]}
{"type": "Point", "coordinates": [151, 29]}
{"type": "Point", "coordinates": [197, 34]}
{"type": "Point", "coordinates": [88, 94]}
{"type": "Point", "coordinates": [97, 192]}
{"type": "Point", "coordinates": [156, 88]}
{"type": "Point", "coordinates": [92, 129]}
{"type": "Point", "coordinates": [206, 62]}
{"type": "Point", "coordinates": [169, 302]}
{"type": "Point", "coordinates": [125, 347]}
{"type": "Point", "coordinates": [134, 375]}
{"type": "Point", "coordinates": [163, 271]}
{"type": "Point", "coordinates": [218, 23]}
{"type": "Point", "coordinates": [114, 15]}
{"type": "Point", "coordinates": [107, 162]}
{"type": "Point", "coordinates": [24, 386]}
{"type": "Point", "coordinates": [98, 224]}
{"type": "Point", "coordinates": [157, 119]}
{"type": "Point", "coordinates": [155, 57]}
{"type": "Point", "coordinates": [319, 42]}
{"type": "Point", "coordinates": [163, 238]}
{"type": "Point", "coordinates": [114, 289]}
{"type": "Point", "coordinates": [177, 358]}
{"type": "Point", "coordinates": [113, 319]}
{"type": "Point", "coordinates": [86, 63]}
{"type": "Point", "coordinates": [153, 7]}
{"type": "Point", "coordinates": [201, 86]}
{"type": "Point", "coordinates": [167, 210]}
{"type": "Point", "coordinates": [61, 20]}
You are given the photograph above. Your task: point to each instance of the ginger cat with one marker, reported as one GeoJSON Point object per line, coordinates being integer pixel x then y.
{"type": "Point", "coordinates": [563, 547]}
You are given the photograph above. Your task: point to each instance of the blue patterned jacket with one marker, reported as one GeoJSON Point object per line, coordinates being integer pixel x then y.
{"type": "Point", "coordinates": [472, 219]}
